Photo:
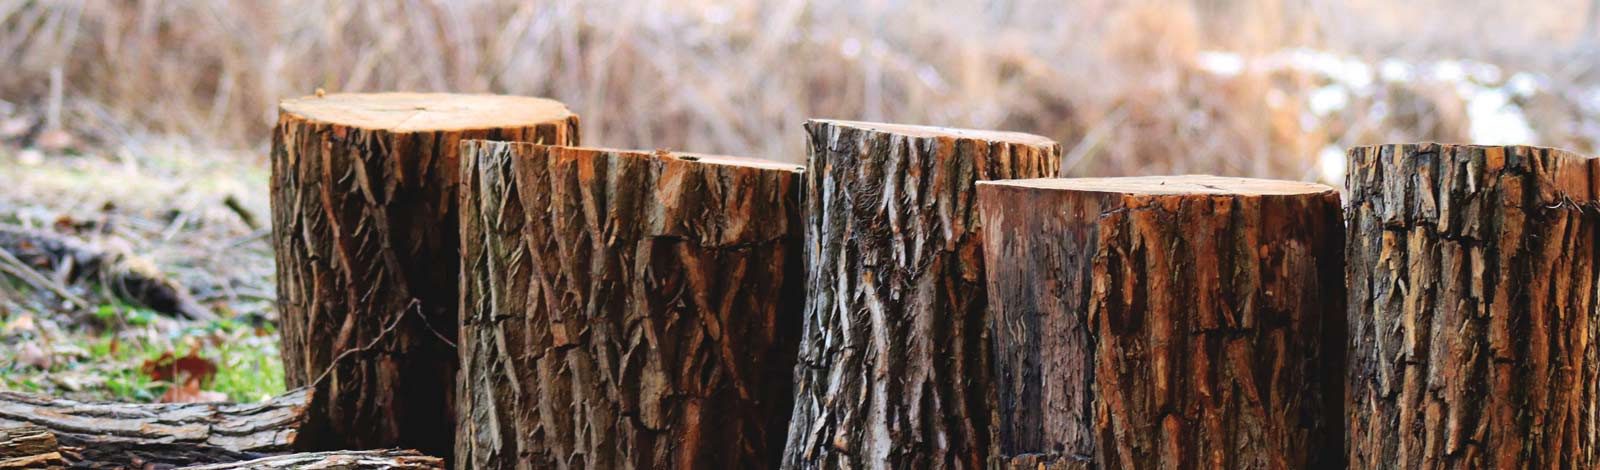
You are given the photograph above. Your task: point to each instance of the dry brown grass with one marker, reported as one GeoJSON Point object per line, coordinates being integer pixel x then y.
{"type": "Point", "coordinates": [1116, 82]}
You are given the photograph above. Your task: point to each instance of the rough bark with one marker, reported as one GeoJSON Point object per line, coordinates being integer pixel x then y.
{"type": "Point", "coordinates": [625, 309]}
{"type": "Point", "coordinates": [29, 447]}
{"type": "Point", "coordinates": [364, 226]}
{"type": "Point", "coordinates": [389, 459]}
{"type": "Point", "coordinates": [1166, 322]}
{"type": "Point", "coordinates": [108, 435]}
{"type": "Point", "coordinates": [1472, 308]}
{"type": "Point", "coordinates": [892, 370]}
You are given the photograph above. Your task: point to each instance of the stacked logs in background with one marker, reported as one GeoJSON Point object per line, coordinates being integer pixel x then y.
{"type": "Point", "coordinates": [1166, 322]}
{"type": "Point", "coordinates": [892, 365]}
{"type": "Point", "coordinates": [626, 309]}
{"type": "Point", "coordinates": [365, 231]}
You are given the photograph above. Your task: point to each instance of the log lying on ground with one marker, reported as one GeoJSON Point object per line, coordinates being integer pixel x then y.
{"type": "Point", "coordinates": [1166, 322]}
{"type": "Point", "coordinates": [892, 369]}
{"type": "Point", "coordinates": [389, 459]}
{"type": "Point", "coordinates": [136, 434]}
{"type": "Point", "coordinates": [29, 447]}
{"type": "Point", "coordinates": [626, 309]}
{"type": "Point", "coordinates": [364, 228]}
{"type": "Point", "coordinates": [1472, 308]}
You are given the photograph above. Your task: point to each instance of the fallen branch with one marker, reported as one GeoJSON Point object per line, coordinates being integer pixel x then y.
{"type": "Point", "coordinates": [139, 434]}
{"type": "Point", "coordinates": [129, 277]}
{"type": "Point", "coordinates": [389, 459]}
{"type": "Point", "coordinates": [20, 270]}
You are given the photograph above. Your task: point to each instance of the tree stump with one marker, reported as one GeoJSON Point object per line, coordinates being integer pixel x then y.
{"type": "Point", "coordinates": [29, 447]}
{"type": "Point", "coordinates": [626, 309]}
{"type": "Point", "coordinates": [364, 226]}
{"type": "Point", "coordinates": [1166, 322]}
{"type": "Point", "coordinates": [893, 372]}
{"type": "Point", "coordinates": [1472, 308]}
{"type": "Point", "coordinates": [108, 435]}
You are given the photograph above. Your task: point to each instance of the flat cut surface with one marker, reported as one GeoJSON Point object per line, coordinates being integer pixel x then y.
{"type": "Point", "coordinates": [936, 131]}
{"type": "Point", "coordinates": [1173, 185]}
{"type": "Point", "coordinates": [412, 112]}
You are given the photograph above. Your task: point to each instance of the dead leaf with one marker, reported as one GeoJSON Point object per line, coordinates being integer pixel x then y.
{"type": "Point", "coordinates": [189, 392]}
{"type": "Point", "coordinates": [171, 368]}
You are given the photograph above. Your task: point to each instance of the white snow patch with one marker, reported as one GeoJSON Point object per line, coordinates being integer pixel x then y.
{"type": "Point", "coordinates": [1496, 121]}
{"type": "Point", "coordinates": [1221, 63]}
{"type": "Point", "coordinates": [1328, 99]}
{"type": "Point", "coordinates": [1330, 162]}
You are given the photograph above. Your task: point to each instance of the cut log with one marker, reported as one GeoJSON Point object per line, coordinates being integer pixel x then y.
{"type": "Point", "coordinates": [29, 447]}
{"type": "Point", "coordinates": [1166, 322]}
{"type": "Point", "coordinates": [389, 459]}
{"type": "Point", "coordinates": [364, 227]}
{"type": "Point", "coordinates": [892, 369]}
{"type": "Point", "coordinates": [626, 309]}
{"type": "Point", "coordinates": [137, 434]}
{"type": "Point", "coordinates": [1472, 307]}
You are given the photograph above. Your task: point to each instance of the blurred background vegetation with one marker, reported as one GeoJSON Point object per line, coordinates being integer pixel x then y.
{"type": "Point", "coordinates": [141, 125]}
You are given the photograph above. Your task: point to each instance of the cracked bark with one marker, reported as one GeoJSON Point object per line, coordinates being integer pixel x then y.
{"type": "Point", "coordinates": [29, 447]}
{"type": "Point", "coordinates": [364, 224]}
{"type": "Point", "coordinates": [625, 309]}
{"type": "Point", "coordinates": [893, 372]}
{"type": "Point", "coordinates": [108, 435]}
{"type": "Point", "coordinates": [1472, 307]}
{"type": "Point", "coordinates": [1166, 322]}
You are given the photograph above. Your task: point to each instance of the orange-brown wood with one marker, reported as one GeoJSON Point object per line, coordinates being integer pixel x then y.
{"type": "Point", "coordinates": [1165, 322]}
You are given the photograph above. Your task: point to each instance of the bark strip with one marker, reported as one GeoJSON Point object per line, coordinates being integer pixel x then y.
{"type": "Point", "coordinates": [29, 447]}
{"type": "Point", "coordinates": [389, 459]}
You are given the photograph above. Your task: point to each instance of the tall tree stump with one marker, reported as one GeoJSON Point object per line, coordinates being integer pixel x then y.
{"type": "Point", "coordinates": [1472, 308]}
{"type": "Point", "coordinates": [626, 309]}
{"type": "Point", "coordinates": [892, 369]}
{"type": "Point", "coordinates": [1166, 322]}
{"type": "Point", "coordinates": [364, 226]}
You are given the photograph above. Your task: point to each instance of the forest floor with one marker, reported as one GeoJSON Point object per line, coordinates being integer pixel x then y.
{"type": "Point", "coordinates": [199, 217]}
